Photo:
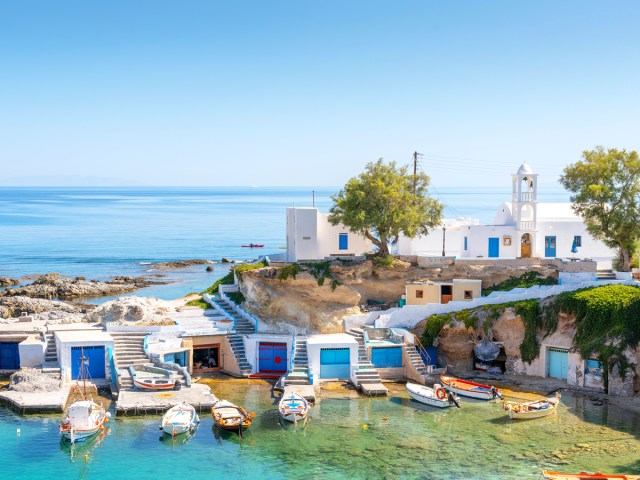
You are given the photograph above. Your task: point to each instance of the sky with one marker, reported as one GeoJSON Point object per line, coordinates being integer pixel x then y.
{"type": "Point", "coordinates": [275, 93]}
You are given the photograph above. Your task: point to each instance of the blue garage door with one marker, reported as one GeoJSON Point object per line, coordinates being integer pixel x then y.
{"type": "Point", "coordinates": [94, 363]}
{"type": "Point", "coordinates": [390, 357]}
{"type": "Point", "coordinates": [494, 247]}
{"type": "Point", "coordinates": [557, 363]}
{"type": "Point", "coordinates": [9, 356]}
{"type": "Point", "coordinates": [272, 357]}
{"type": "Point", "coordinates": [549, 246]}
{"type": "Point", "coordinates": [334, 362]}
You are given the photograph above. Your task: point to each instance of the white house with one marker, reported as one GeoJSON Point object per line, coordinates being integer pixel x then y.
{"type": "Point", "coordinates": [310, 236]}
{"type": "Point", "coordinates": [522, 228]}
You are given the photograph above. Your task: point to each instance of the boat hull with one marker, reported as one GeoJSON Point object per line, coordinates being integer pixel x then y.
{"type": "Point", "coordinates": [532, 410]}
{"type": "Point", "coordinates": [293, 408]}
{"type": "Point", "coordinates": [587, 476]}
{"type": "Point", "coordinates": [468, 389]}
{"type": "Point", "coordinates": [143, 385]}
{"type": "Point", "coordinates": [427, 396]}
{"type": "Point", "coordinates": [180, 419]}
{"type": "Point", "coordinates": [80, 429]}
{"type": "Point", "coordinates": [230, 417]}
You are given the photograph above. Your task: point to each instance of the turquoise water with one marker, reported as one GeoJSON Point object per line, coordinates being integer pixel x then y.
{"type": "Point", "coordinates": [402, 439]}
{"type": "Point", "coordinates": [102, 232]}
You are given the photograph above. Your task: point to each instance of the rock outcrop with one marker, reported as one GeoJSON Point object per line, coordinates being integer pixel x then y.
{"type": "Point", "coordinates": [8, 282]}
{"type": "Point", "coordinates": [180, 264]}
{"type": "Point", "coordinates": [54, 285]}
{"type": "Point", "coordinates": [29, 380]}
{"type": "Point", "coordinates": [301, 303]}
{"type": "Point", "coordinates": [41, 309]}
{"type": "Point", "coordinates": [146, 311]}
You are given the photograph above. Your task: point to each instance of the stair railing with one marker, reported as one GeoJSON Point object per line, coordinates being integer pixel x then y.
{"type": "Point", "coordinates": [421, 350]}
{"type": "Point", "coordinates": [293, 352]}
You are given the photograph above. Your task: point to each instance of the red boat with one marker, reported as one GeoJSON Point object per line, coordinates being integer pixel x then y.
{"type": "Point", "coordinates": [253, 245]}
{"type": "Point", "coordinates": [587, 476]}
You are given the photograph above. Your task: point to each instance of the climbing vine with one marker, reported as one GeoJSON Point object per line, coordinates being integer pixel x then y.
{"type": "Point", "coordinates": [319, 270]}
{"type": "Point", "coordinates": [526, 280]}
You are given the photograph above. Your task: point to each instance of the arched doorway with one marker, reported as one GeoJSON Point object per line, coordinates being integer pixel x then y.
{"type": "Point", "coordinates": [525, 246]}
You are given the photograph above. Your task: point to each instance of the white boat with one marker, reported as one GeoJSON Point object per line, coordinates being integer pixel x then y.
{"type": "Point", "coordinates": [470, 389]}
{"type": "Point", "coordinates": [180, 419]}
{"type": "Point", "coordinates": [537, 409]}
{"type": "Point", "coordinates": [84, 419]}
{"type": "Point", "coordinates": [435, 397]}
{"type": "Point", "coordinates": [293, 407]}
{"type": "Point", "coordinates": [155, 383]}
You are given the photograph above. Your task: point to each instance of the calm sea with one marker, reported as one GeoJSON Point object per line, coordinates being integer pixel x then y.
{"type": "Point", "coordinates": [101, 232]}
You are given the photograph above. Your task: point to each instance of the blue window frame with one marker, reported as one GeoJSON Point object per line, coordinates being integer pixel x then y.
{"type": "Point", "coordinates": [577, 240]}
{"type": "Point", "coordinates": [465, 243]}
{"type": "Point", "coordinates": [343, 241]}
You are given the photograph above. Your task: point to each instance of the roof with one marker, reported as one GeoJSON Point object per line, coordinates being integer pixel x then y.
{"type": "Point", "coordinates": [83, 336]}
{"type": "Point", "coordinates": [336, 338]}
{"type": "Point", "coordinates": [556, 212]}
{"type": "Point", "coordinates": [525, 169]}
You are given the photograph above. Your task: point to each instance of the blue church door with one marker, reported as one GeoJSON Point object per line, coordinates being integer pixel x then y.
{"type": "Point", "coordinates": [549, 246]}
{"type": "Point", "coordinates": [494, 247]}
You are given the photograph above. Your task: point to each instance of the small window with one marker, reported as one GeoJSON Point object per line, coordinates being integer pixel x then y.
{"type": "Point", "coordinates": [577, 240]}
{"type": "Point", "coordinates": [306, 238]}
{"type": "Point", "coordinates": [506, 241]}
{"type": "Point", "coordinates": [468, 294]}
{"type": "Point", "coordinates": [343, 241]}
{"type": "Point", "coordinates": [419, 293]}
{"type": "Point", "coordinates": [465, 243]}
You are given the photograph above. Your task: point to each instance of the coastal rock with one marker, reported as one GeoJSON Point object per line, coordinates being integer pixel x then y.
{"type": "Point", "coordinates": [455, 347]}
{"type": "Point", "coordinates": [59, 312]}
{"type": "Point", "coordinates": [54, 285]}
{"type": "Point", "coordinates": [180, 264]}
{"type": "Point", "coordinates": [30, 380]}
{"type": "Point", "coordinates": [133, 310]}
{"type": "Point", "coordinates": [209, 268]}
{"type": "Point", "coordinates": [8, 282]}
{"type": "Point", "coordinates": [226, 260]}
{"type": "Point", "coordinates": [302, 302]}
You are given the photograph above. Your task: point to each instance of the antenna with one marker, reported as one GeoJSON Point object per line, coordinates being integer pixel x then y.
{"type": "Point", "coordinates": [313, 192]}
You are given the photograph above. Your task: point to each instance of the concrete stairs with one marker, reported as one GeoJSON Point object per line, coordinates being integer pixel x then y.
{"type": "Point", "coordinates": [128, 350]}
{"type": "Point", "coordinates": [236, 341]}
{"type": "Point", "coordinates": [606, 275]}
{"type": "Point", "coordinates": [300, 373]}
{"type": "Point", "coordinates": [367, 377]}
{"type": "Point", "coordinates": [51, 363]}
{"type": "Point", "coordinates": [416, 359]}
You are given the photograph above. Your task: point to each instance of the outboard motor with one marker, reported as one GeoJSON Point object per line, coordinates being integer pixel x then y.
{"type": "Point", "coordinates": [495, 394]}
{"type": "Point", "coordinates": [177, 385]}
{"type": "Point", "coordinates": [452, 399]}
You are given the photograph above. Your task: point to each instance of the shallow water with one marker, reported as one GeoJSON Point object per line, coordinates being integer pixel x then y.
{"type": "Point", "coordinates": [392, 437]}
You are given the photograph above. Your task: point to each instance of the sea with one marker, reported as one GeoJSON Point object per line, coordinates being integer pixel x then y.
{"type": "Point", "coordinates": [101, 232]}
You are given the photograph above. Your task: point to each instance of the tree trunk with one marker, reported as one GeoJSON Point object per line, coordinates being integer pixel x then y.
{"type": "Point", "coordinates": [384, 246]}
{"type": "Point", "coordinates": [624, 260]}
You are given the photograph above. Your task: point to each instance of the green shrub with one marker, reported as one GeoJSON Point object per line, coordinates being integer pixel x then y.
{"type": "Point", "coordinates": [228, 278]}
{"type": "Point", "coordinates": [385, 261]}
{"type": "Point", "coordinates": [198, 302]}
{"type": "Point", "coordinates": [289, 271]}
{"type": "Point", "coordinates": [526, 280]}
{"type": "Point", "coordinates": [434, 324]}
{"type": "Point", "coordinates": [236, 297]}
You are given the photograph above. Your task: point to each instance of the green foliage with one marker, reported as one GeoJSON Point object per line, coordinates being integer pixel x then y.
{"type": "Point", "coordinates": [228, 279]}
{"type": "Point", "coordinates": [335, 284]}
{"type": "Point", "coordinates": [605, 187]}
{"type": "Point", "coordinates": [468, 318]}
{"type": "Point", "coordinates": [607, 320]}
{"type": "Point", "coordinates": [236, 297]}
{"type": "Point", "coordinates": [198, 302]}
{"type": "Point", "coordinates": [434, 324]}
{"type": "Point", "coordinates": [530, 312]}
{"type": "Point", "coordinates": [319, 270]}
{"type": "Point", "coordinates": [289, 271]}
{"type": "Point", "coordinates": [385, 201]}
{"type": "Point", "coordinates": [385, 261]}
{"type": "Point", "coordinates": [526, 280]}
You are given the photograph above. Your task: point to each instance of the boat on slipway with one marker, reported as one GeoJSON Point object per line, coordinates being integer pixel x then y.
{"type": "Point", "coordinates": [153, 378]}
{"type": "Point", "coordinates": [180, 419]}
{"type": "Point", "coordinates": [435, 397]}
{"type": "Point", "coordinates": [293, 407]}
{"type": "Point", "coordinates": [530, 410]}
{"type": "Point", "coordinates": [587, 476]}
{"type": "Point", "coordinates": [470, 389]}
{"type": "Point", "coordinates": [230, 417]}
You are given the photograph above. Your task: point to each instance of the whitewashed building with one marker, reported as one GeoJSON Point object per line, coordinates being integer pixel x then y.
{"type": "Point", "coordinates": [522, 228]}
{"type": "Point", "coordinates": [310, 236]}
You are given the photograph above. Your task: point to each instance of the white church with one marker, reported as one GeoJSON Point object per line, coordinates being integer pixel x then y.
{"type": "Point", "coordinates": [522, 228]}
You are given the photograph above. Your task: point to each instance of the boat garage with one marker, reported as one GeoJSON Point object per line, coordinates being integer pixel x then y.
{"type": "Point", "coordinates": [272, 357]}
{"type": "Point", "coordinates": [557, 362]}
{"type": "Point", "coordinates": [332, 356]}
{"type": "Point", "coordinates": [74, 346]}
{"type": "Point", "coordinates": [9, 355]}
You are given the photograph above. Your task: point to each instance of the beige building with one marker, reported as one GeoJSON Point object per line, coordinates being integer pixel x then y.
{"type": "Point", "coordinates": [422, 293]}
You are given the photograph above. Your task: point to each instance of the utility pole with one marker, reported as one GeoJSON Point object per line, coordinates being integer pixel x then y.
{"type": "Point", "coordinates": [415, 170]}
{"type": "Point", "coordinates": [313, 192]}
{"type": "Point", "coordinates": [444, 233]}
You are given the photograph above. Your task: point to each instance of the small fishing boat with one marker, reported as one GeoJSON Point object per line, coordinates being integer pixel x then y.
{"type": "Point", "coordinates": [180, 419]}
{"type": "Point", "coordinates": [537, 409]}
{"type": "Point", "coordinates": [436, 396]}
{"type": "Point", "coordinates": [253, 245]}
{"type": "Point", "coordinates": [469, 389]}
{"type": "Point", "coordinates": [587, 476]}
{"type": "Point", "coordinates": [228, 416]}
{"type": "Point", "coordinates": [84, 419]}
{"type": "Point", "coordinates": [155, 383]}
{"type": "Point", "coordinates": [293, 408]}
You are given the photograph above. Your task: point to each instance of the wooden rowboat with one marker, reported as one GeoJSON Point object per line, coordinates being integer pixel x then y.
{"type": "Point", "coordinates": [293, 407]}
{"type": "Point", "coordinates": [155, 383]}
{"type": "Point", "coordinates": [537, 409]}
{"type": "Point", "coordinates": [470, 389]}
{"type": "Point", "coordinates": [228, 416]}
{"type": "Point", "coordinates": [180, 419]}
{"type": "Point", "coordinates": [587, 476]}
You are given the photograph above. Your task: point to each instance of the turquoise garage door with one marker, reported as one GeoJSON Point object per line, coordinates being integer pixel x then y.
{"type": "Point", "coordinates": [94, 363]}
{"type": "Point", "coordinates": [557, 363]}
{"type": "Point", "coordinates": [334, 363]}
{"type": "Point", "coordinates": [390, 357]}
{"type": "Point", "coordinates": [9, 356]}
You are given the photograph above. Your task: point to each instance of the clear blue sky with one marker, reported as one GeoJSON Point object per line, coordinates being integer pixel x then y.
{"type": "Point", "coordinates": [306, 92]}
